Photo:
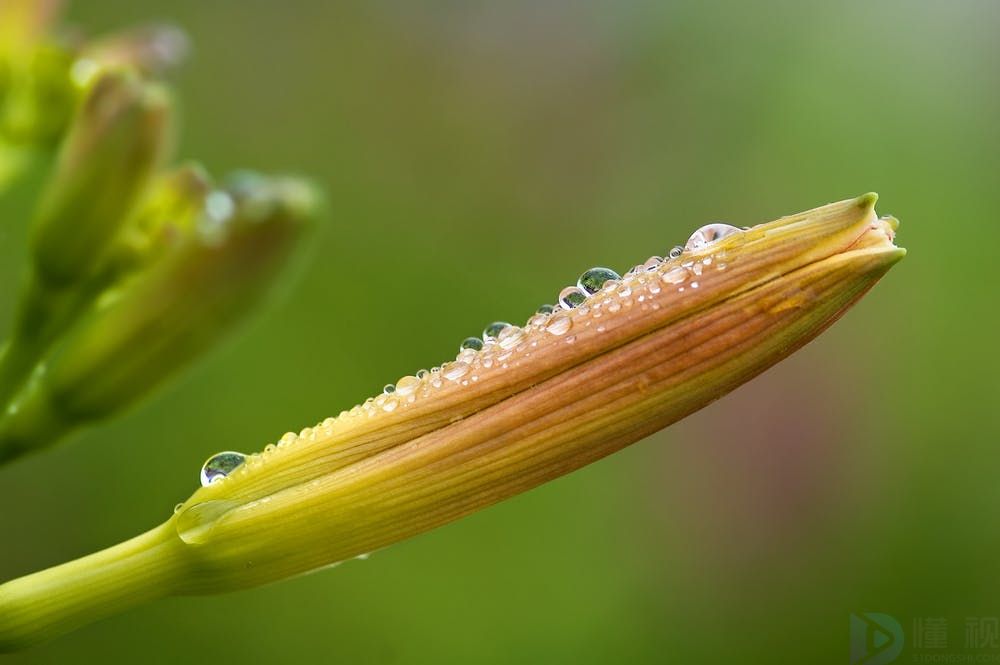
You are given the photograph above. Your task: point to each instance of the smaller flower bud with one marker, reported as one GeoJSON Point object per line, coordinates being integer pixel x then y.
{"type": "Point", "coordinates": [117, 138]}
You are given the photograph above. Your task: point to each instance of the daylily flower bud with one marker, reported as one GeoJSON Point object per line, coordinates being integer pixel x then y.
{"type": "Point", "coordinates": [166, 216]}
{"type": "Point", "coordinates": [117, 139]}
{"type": "Point", "coordinates": [620, 359]}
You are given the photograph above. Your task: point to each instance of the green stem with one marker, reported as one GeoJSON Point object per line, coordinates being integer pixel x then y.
{"type": "Point", "coordinates": [57, 600]}
{"type": "Point", "coordinates": [43, 315]}
{"type": "Point", "coordinates": [29, 423]}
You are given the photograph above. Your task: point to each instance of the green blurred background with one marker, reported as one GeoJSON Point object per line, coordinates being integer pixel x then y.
{"type": "Point", "coordinates": [478, 156]}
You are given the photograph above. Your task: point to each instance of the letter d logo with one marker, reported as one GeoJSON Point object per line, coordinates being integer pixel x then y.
{"type": "Point", "coordinates": [876, 639]}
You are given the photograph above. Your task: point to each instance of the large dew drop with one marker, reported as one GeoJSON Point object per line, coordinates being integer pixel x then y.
{"type": "Point", "coordinates": [571, 297]}
{"type": "Point", "coordinates": [592, 280]}
{"type": "Point", "coordinates": [708, 234]}
{"type": "Point", "coordinates": [407, 386]}
{"type": "Point", "coordinates": [559, 324]}
{"type": "Point", "coordinates": [473, 343]}
{"type": "Point", "coordinates": [510, 337]}
{"type": "Point", "coordinates": [491, 331]}
{"type": "Point", "coordinates": [219, 466]}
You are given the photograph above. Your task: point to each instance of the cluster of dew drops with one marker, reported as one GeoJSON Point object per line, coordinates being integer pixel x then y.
{"type": "Point", "coordinates": [501, 339]}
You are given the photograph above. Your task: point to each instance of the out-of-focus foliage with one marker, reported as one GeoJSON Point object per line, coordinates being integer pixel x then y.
{"type": "Point", "coordinates": [462, 142]}
{"type": "Point", "coordinates": [131, 274]}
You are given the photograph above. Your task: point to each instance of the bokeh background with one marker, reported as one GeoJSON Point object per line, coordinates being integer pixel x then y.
{"type": "Point", "coordinates": [478, 156]}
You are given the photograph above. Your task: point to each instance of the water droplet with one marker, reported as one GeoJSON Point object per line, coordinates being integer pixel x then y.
{"type": "Point", "coordinates": [675, 252]}
{"type": "Point", "coordinates": [592, 280]}
{"type": "Point", "coordinates": [537, 320]}
{"type": "Point", "coordinates": [491, 331]}
{"type": "Point", "coordinates": [559, 324]}
{"type": "Point", "coordinates": [407, 385]}
{"type": "Point", "coordinates": [388, 388]}
{"type": "Point", "coordinates": [422, 373]}
{"type": "Point", "coordinates": [178, 507]}
{"type": "Point", "coordinates": [509, 337]}
{"type": "Point", "coordinates": [571, 296]}
{"type": "Point", "coordinates": [675, 275]}
{"type": "Point", "coordinates": [454, 371]}
{"type": "Point", "coordinates": [473, 343]}
{"type": "Point", "coordinates": [652, 263]}
{"type": "Point", "coordinates": [709, 234]}
{"type": "Point", "coordinates": [219, 466]}
{"type": "Point", "coordinates": [390, 404]}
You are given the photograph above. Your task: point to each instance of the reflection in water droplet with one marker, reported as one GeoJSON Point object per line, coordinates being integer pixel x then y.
{"type": "Point", "coordinates": [545, 309]}
{"type": "Point", "coordinates": [219, 466]}
{"type": "Point", "coordinates": [422, 373]}
{"type": "Point", "coordinates": [491, 331]}
{"type": "Point", "coordinates": [675, 252]}
{"type": "Point", "coordinates": [592, 280]}
{"type": "Point", "coordinates": [472, 343]}
{"type": "Point", "coordinates": [388, 388]}
{"type": "Point", "coordinates": [559, 324]}
{"type": "Point", "coordinates": [652, 263]}
{"type": "Point", "coordinates": [571, 296]}
{"type": "Point", "coordinates": [709, 234]}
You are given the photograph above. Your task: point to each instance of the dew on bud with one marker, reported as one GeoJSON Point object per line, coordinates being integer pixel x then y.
{"type": "Point", "coordinates": [510, 337]}
{"type": "Point", "coordinates": [471, 343]}
{"type": "Point", "coordinates": [455, 370]}
{"type": "Point", "coordinates": [559, 324]}
{"type": "Point", "coordinates": [491, 331]}
{"type": "Point", "coordinates": [708, 234]}
{"type": "Point", "coordinates": [219, 466]}
{"type": "Point", "coordinates": [571, 296]}
{"type": "Point", "coordinates": [592, 280]}
{"type": "Point", "coordinates": [407, 385]}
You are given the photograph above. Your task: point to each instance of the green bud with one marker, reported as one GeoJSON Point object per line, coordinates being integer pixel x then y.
{"type": "Point", "coordinates": [165, 315]}
{"type": "Point", "coordinates": [165, 216]}
{"type": "Point", "coordinates": [117, 138]}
